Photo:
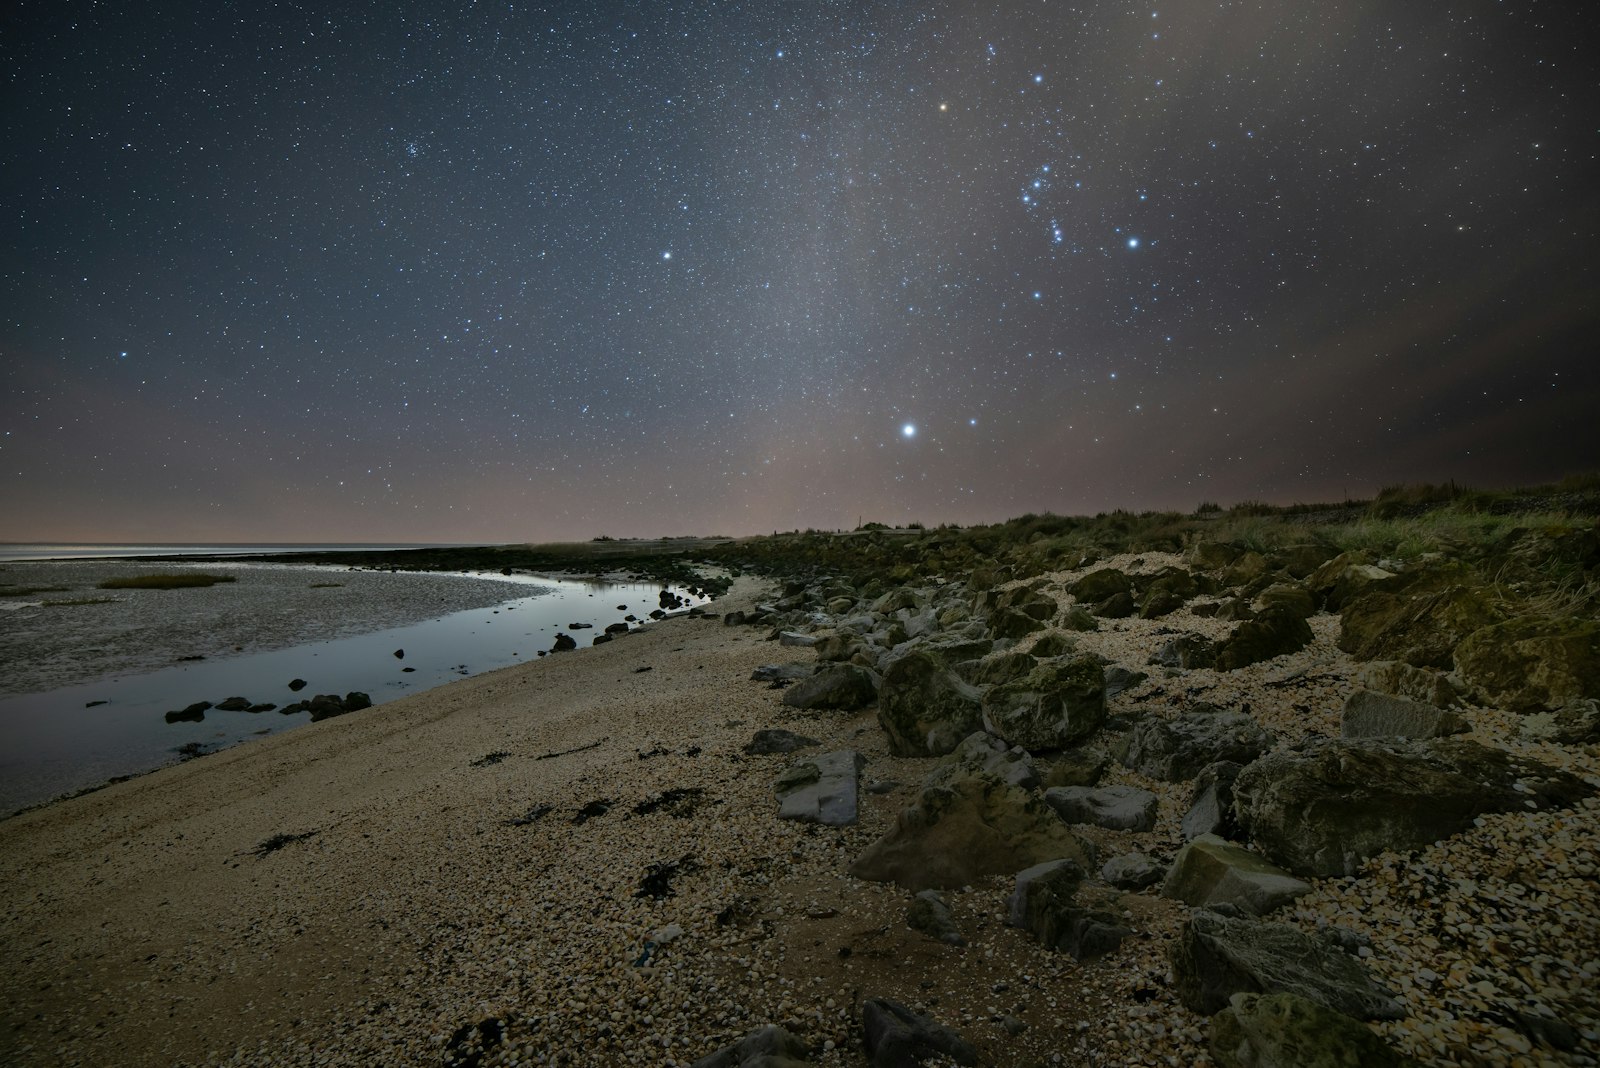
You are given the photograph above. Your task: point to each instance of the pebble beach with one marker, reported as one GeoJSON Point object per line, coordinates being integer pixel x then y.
{"type": "Point", "coordinates": [574, 862]}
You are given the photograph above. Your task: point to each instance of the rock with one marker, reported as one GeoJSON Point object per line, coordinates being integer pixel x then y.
{"type": "Point", "coordinates": [1119, 679]}
{"type": "Point", "coordinates": [1186, 652]}
{"type": "Point", "coordinates": [1132, 871]}
{"type": "Point", "coordinates": [1575, 723]}
{"type": "Point", "coordinates": [1400, 679]}
{"type": "Point", "coordinates": [1289, 1031]}
{"type": "Point", "coordinates": [1216, 957]}
{"type": "Point", "coordinates": [1078, 618]}
{"type": "Point", "coordinates": [1420, 628]}
{"type": "Point", "coordinates": [1005, 667]}
{"type": "Point", "coordinates": [325, 706]}
{"type": "Point", "coordinates": [564, 643]}
{"type": "Point", "coordinates": [195, 713]}
{"type": "Point", "coordinates": [766, 1047]}
{"type": "Point", "coordinates": [1378, 715]}
{"type": "Point", "coordinates": [399, 654]}
{"type": "Point", "coordinates": [618, 628]}
{"type": "Point", "coordinates": [1211, 810]}
{"type": "Point", "coordinates": [782, 672]}
{"type": "Point", "coordinates": [1013, 623]}
{"type": "Point", "coordinates": [1056, 704]}
{"type": "Point", "coordinates": [234, 704]}
{"type": "Point", "coordinates": [580, 626]}
{"type": "Point", "coordinates": [1324, 809]}
{"type": "Point", "coordinates": [1234, 609]}
{"type": "Point", "coordinates": [980, 752]}
{"type": "Point", "coordinates": [1289, 596]}
{"type": "Point", "coordinates": [929, 914]}
{"type": "Point", "coordinates": [265, 706]}
{"type": "Point", "coordinates": [297, 684]}
{"type": "Point", "coordinates": [1213, 555]}
{"type": "Point", "coordinates": [777, 740]}
{"type": "Point", "coordinates": [1100, 585]}
{"type": "Point", "coordinates": [1054, 643]}
{"type": "Point", "coordinates": [1118, 606]}
{"type": "Point", "coordinates": [1045, 904]}
{"type": "Point", "coordinates": [1175, 750]}
{"type": "Point", "coordinates": [838, 686]}
{"type": "Point", "coordinates": [925, 708]}
{"type": "Point", "coordinates": [1347, 577]}
{"type": "Point", "coordinates": [795, 639]}
{"type": "Point", "coordinates": [956, 834]}
{"type": "Point", "coordinates": [822, 790]}
{"type": "Point", "coordinates": [1117, 808]}
{"type": "Point", "coordinates": [1525, 665]}
{"type": "Point", "coordinates": [1160, 601]}
{"type": "Point", "coordinates": [896, 1037]}
{"type": "Point", "coordinates": [1301, 560]}
{"type": "Point", "coordinates": [918, 624]}
{"type": "Point", "coordinates": [1209, 871]}
{"type": "Point", "coordinates": [1250, 566]}
{"type": "Point", "coordinates": [1078, 767]}
{"type": "Point", "coordinates": [841, 606]}
{"type": "Point", "coordinates": [1273, 632]}
{"type": "Point", "coordinates": [355, 701]}
{"type": "Point", "coordinates": [834, 647]}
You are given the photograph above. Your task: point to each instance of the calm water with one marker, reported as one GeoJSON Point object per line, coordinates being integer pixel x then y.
{"type": "Point", "coordinates": [53, 743]}
{"type": "Point", "coordinates": [84, 551]}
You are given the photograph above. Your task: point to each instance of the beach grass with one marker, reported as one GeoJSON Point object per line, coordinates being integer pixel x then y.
{"type": "Point", "coordinates": [194, 580]}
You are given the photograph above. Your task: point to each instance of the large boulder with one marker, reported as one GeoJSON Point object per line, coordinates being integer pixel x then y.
{"type": "Point", "coordinates": [1347, 577]}
{"type": "Point", "coordinates": [766, 1047]}
{"type": "Point", "coordinates": [1274, 631]}
{"type": "Point", "coordinates": [1289, 596]}
{"type": "Point", "coordinates": [925, 708]}
{"type": "Point", "coordinates": [839, 686]}
{"type": "Point", "coordinates": [1045, 904]}
{"type": "Point", "coordinates": [896, 1037]}
{"type": "Point", "coordinates": [1056, 704]}
{"type": "Point", "coordinates": [1013, 623]}
{"type": "Point", "coordinates": [1574, 723]}
{"type": "Point", "coordinates": [1209, 871]}
{"type": "Point", "coordinates": [1216, 957]}
{"type": "Point", "coordinates": [1527, 664]}
{"type": "Point", "coordinates": [1421, 628]}
{"type": "Point", "coordinates": [1117, 808]}
{"type": "Point", "coordinates": [1380, 715]}
{"type": "Point", "coordinates": [1211, 808]}
{"type": "Point", "coordinates": [1175, 750]}
{"type": "Point", "coordinates": [821, 790]}
{"type": "Point", "coordinates": [1185, 652]}
{"type": "Point", "coordinates": [956, 834]}
{"type": "Point", "coordinates": [1289, 1031]}
{"type": "Point", "coordinates": [1323, 809]}
{"type": "Point", "coordinates": [1396, 677]}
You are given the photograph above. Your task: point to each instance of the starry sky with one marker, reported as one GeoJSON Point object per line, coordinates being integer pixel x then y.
{"type": "Point", "coordinates": [485, 272]}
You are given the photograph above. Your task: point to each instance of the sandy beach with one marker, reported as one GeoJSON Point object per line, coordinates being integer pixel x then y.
{"type": "Point", "coordinates": [501, 850]}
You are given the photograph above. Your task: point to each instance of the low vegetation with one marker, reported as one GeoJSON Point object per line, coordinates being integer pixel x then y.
{"type": "Point", "coordinates": [29, 591]}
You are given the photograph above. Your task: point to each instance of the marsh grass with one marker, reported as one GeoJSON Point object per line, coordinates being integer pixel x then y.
{"type": "Point", "coordinates": [28, 591]}
{"type": "Point", "coordinates": [194, 580]}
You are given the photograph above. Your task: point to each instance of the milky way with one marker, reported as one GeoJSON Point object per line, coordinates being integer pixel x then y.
{"type": "Point", "coordinates": [506, 271]}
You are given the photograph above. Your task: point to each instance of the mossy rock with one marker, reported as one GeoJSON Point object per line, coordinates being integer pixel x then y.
{"type": "Point", "coordinates": [1275, 632]}
{"type": "Point", "coordinates": [1526, 665]}
{"type": "Point", "coordinates": [1100, 585]}
{"type": "Point", "coordinates": [1420, 628]}
{"type": "Point", "coordinates": [1290, 1031]}
{"type": "Point", "coordinates": [1056, 704]}
{"type": "Point", "coordinates": [1291, 597]}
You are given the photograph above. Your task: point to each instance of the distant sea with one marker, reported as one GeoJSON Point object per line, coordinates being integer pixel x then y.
{"type": "Point", "coordinates": [84, 551]}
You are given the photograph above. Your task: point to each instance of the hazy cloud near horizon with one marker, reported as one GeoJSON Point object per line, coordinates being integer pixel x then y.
{"type": "Point", "coordinates": [406, 272]}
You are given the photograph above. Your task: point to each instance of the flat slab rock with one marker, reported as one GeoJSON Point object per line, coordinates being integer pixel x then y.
{"type": "Point", "coordinates": [822, 789]}
{"type": "Point", "coordinates": [1118, 808]}
{"type": "Point", "coordinates": [1380, 715]}
{"type": "Point", "coordinates": [1288, 1031]}
{"type": "Point", "coordinates": [896, 1037]}
{"type": "Point", "coordinates": [1211, 871]}
{"type": "Point", "coordinates": [1216, 957]}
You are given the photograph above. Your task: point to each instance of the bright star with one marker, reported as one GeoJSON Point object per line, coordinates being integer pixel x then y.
{"type": "Point", "coordinates": [909, 430]}
{"type": "Point", "coordinates": [1133, 242]}
{"type": "Point", "coordinates": [666, 255]}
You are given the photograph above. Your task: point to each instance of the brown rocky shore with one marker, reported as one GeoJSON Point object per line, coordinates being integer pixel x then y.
{"type": "Point", "coordinates": [1226, 807]}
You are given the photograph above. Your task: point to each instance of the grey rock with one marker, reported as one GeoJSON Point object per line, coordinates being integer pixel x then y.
{"type": "Point", "coordinates": [925, 708]}
{"type": "Point", "coordinates": [1117, 808]}
{"type": "Point", "coordinates": [838, 686]}
{"type": "Point", "coordinates": [1574, 723]}
{"type": "Point", "coordinates": [564, 643]}
{"type": "Point", "coordinates": [1209, 871]}
{"type": "Point", "coordinates": [796, 639]}
{"type": "Point", "coordinates": [1176, 749]}
{"type": "Point", "coordinates": [1380, 715]}
{"type": "Point", "coordinates": [980, 752]}
{"type": "Point", "coordinates": [1045, 904]}
{"type": "Point", "coordinates": [896, 1037]}
{"type": "Point", "coordinates": [1078, 618]}
{"type": "Point", "coordinates": [1396, 677]}
{"type": "Point", "coordinates": [1216, 957]}
{"type": "Point", "coordinates": [1274, 632]}
{"type": "Point", "coordinates": [1289, 1031]}
{"type": "Point", "coordinates": [1078, 767]}
{"type": "Point", "coordinates": [1132, 871]}
{"type": "Point", "coordinates": [777, 740]}
{"type": "Point", "coordinates": [929, 914]}
{"type": "Point", "coordinates": [1119, 606]}
{"type": "Point", "coordinates": [1289, 596]}
{"type": "Point", "coordinates": [822, 790]}
{"type": "Point", "coordinates": [783, 672]}
{"type": "Point", "coordinates": [766, 1047]}
{"type": "Point", "coordinates": [1211, 810]}
{"type": "Point", "coordinates": [1100, 585]}
{"type": "Point", "coordinates": [1056, 704]}
{"type": "Point", "coordinates": [1120, 679]}
{"type": "Point", "coordinates": [1186, 652]}
{"type": "Point", "coordinates": [1325, 808]}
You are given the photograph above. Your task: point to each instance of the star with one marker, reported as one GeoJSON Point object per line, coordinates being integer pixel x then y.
{"type": "Point", "coordinates": [909, 430]}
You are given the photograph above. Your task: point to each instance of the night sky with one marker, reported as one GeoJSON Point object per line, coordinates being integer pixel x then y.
{"type": "Point", "coordinates": [506, 272]}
